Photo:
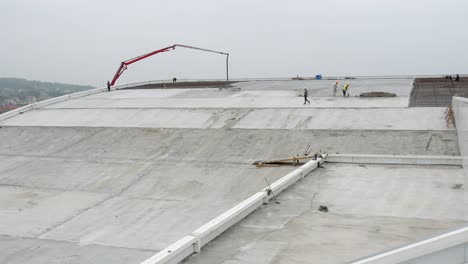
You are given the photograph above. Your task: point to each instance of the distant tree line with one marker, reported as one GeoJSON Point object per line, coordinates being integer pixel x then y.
{"type": "Point", "coordinates": [15, 92]}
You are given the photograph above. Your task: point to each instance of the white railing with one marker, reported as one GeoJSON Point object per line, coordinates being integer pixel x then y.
{"type": "Point", "coordinates": [460, 109]}
{"type": "Point", "coordinates": [192, 243]}
{"type": "Point", "coordinates": [47, 102]}
{"type": "Point", "coordinates": [425, 250]}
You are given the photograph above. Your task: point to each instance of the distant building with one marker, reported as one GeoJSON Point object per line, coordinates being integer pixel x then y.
{"type": "Point", "coordinates": [31, 100]}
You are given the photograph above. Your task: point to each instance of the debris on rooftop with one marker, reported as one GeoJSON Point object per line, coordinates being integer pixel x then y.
{"type": "Point", "coordinates": [377, 94]}
{"type": "Point", "coordinates": [295, 160]}
{"type": "Point", "coordinates": [323, 208]}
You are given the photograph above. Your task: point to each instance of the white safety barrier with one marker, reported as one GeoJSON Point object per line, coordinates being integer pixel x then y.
{"type": "Point", "coordinates": [193, 242]}
{"type": "Point", "coordinates": [448, 248]}
{"type": "Point", "coordinates": [395, 159]}
{"type": "Point", "coordinates": [460, 109]}
{"type": "Point", "coordinates": [54, 100]}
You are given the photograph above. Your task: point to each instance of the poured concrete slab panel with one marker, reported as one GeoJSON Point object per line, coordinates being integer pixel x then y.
{"type": "Point", "coordinates": [316, 238]}
{"type": "Point", "coordinates": [237, 100]}
{"type": "Point", "coordinates": [371, 208]}
{"type": "Point", "coordinates": [49, 173]}
{"type": "Point", "coordinates": [42, 251]}
{"type": "Point", "coordinates": [28, 212]}
{"type": "Point", "coordinates": [151, 93]}
{"type": "Point", "coordinates": [341, 119]}
{"type": "Point", "coordinates": [432, 192]}
{"type": "Point", "coordinates": [137, 223]}
{"type": "Point", "coordinates": [123, 144]}
{"type": "Point", "coordinates": [10, 163]}
{"type": "Point", "coordinates": [395, 118]}
{"type": "Point", "coordinates": [166, 204]}
{"type": "Point", "coordinates": [132, 145]}
{"type": "Point", "coordinates": [247, 146]}
{"type": "Point", "coordinates": [157, 118]}
{"type": "Point", "coordinates": [204, 183]}
{"type": "Point", "coordinates": [41, 141]}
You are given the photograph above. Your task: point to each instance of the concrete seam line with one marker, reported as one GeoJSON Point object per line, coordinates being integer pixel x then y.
{"type": "Point", "coordinates": [420, 248]}
{"type": "Point", "coordinates": [393, 156]}
{"type": "Point", "coordinates": [395, 159]}
{"type": "Point", "coordinates": [178, 250]}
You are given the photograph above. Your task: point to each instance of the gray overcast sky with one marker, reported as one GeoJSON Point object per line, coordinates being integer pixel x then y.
{"type": "Point", "coordinates": [83, 41]}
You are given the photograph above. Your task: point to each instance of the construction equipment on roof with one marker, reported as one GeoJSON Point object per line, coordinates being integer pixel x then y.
{"type": "Point", "coordinates": [124, 64]}
{"type": "Point", "coordinates": [295, 160]}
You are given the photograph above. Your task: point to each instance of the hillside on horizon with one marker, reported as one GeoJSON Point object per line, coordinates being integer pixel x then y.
{"type": "Point", "coordinates": [17, 92]}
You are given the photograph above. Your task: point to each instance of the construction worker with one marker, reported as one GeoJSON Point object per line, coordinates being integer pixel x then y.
{"type": "Point", "coordinates": [174, 80]}
{"type": "Point", "coordinates": [335, 88]}
{"type": "Point", "coordinates": [457, 79]}
{"type": "Point", "coordinates": [305, 96]}
{"type": "Point", "coordinates": [108, 86]}
{"type": "Point", "coordinates": [345, 89]}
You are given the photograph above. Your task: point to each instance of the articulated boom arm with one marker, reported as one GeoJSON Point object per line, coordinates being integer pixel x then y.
{"type": "Point", "coordinates": [124, 64]}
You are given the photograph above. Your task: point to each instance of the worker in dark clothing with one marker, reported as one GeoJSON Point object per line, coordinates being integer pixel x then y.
{"type": "Point", "coordinates": [305, 96]}
{"type": "Point", "coordinates": [108, 86]}
{"type": "Point", "coordinates": [457, 79]}
{"type": "Point", "coordinates": [174, 80]}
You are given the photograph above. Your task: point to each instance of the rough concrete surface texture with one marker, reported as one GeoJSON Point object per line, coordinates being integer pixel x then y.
{"type": "Point", "coordinates": [115, 188]}
{"type": "Point", "coordinates": [371, 208]}
{"type": "Point", "coordinates": [112, 178]}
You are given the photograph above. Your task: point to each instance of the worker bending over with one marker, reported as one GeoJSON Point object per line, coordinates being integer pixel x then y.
{"type": "Point", "coordinates": [345, 89]}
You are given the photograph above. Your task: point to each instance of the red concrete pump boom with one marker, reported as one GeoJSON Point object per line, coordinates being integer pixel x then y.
{"type": "Point", "coordinates": [124, 64]}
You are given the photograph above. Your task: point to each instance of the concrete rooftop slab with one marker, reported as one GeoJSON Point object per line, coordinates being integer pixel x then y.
{"type": "Point", "coordinates": [371, 208]}
{"type": "Point", "coordinates": [43, 251]}
{"type": "Point", "coordinates": [364, 118]}
{"type": "Point", "coordinates": [143, 145]}
{"type": "Point", "coordinates": [29, 212]}
{"type": "Point", "coordinates": [227, 101]}
{"type": "Point", "coordinates": [346, 119]}
{"type": "Point", "coordinates": [128, 191]}
{"type": "Point", "coordinates": [116, 177]}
